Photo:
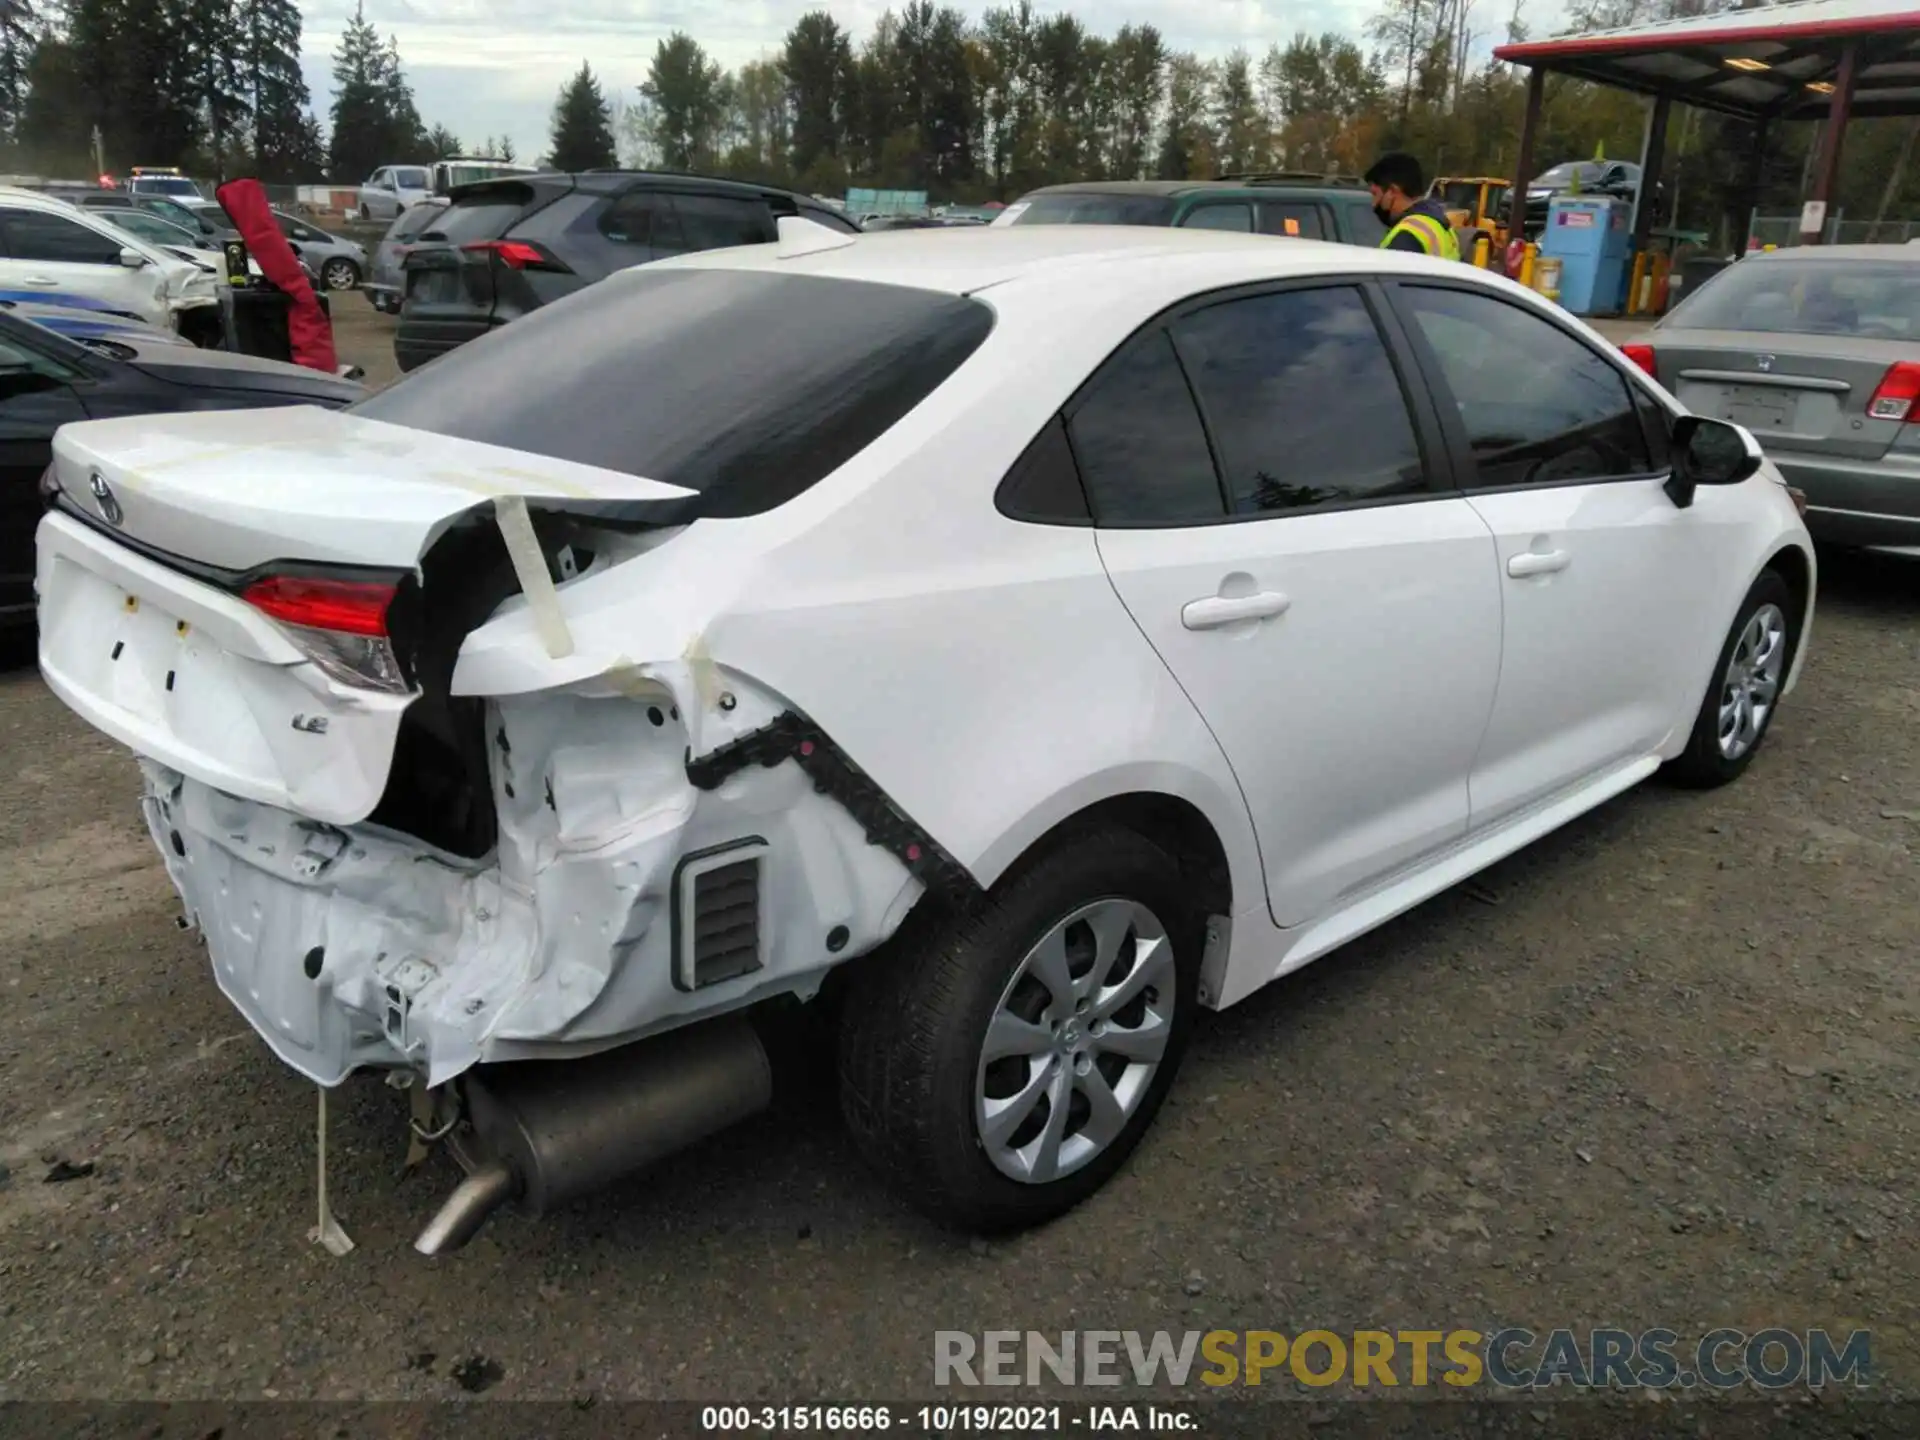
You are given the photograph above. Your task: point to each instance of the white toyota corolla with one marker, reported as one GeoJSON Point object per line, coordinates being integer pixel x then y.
{"type": "Point", "coordinates": [1030, 636]}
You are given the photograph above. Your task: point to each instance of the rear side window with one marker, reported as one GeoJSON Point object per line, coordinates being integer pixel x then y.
{"type": "Point", "coordinates": [643, 218]}
{"type": "Point", "coordinates": [412, 220]}
{"type": "Point", "coordinates": [745, 386]}
{"type": "Point", "coordinates": [714, 222]}
{"type": "Point", "coordinates": [1142, 451]}
{"type": "Point", "coordinates": [411, 179]}
{"type": "Point", "coordinates": [1302, 400]}
{"type": "Point", "coordinates": [1293, 218]}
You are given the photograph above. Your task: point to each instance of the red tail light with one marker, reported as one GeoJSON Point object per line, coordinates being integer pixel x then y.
{"type": "Point", "coordinates": [1899, 388]}
{"type": "Point", "coordinates": [515, 254]}
{"type": "Point", "coordinates": [346, 607]}
{"type": "Point", "coordinates": [1641, 355]}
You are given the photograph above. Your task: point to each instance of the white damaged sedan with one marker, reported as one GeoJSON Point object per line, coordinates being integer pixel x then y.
{"type": "Point", "coordinates": [1029, 636]}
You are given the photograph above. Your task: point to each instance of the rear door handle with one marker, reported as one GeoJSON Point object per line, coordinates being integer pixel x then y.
{"type": "Point", "coordinates": [1536, 562]}
{"type": "Point", "coordinates": [46, 280]}
{"type": "Point", "coordinates": [1218, 610]}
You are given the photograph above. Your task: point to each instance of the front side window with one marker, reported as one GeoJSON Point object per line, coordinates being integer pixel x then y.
{"type": "Point", "coordinates": [35, 235]}
{"type": "Point", "coordinates": [1142, 450]}
{"type": "Point", "coordinates": [1302, 401]}
{"type": "Point", "coordinates": [1237, 217]}
{"type": "Point", "coordinates": [1538, 406]}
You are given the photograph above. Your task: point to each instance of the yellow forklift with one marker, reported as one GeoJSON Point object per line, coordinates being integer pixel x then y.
{"type": "Point", "coordinates": [1476, 208]}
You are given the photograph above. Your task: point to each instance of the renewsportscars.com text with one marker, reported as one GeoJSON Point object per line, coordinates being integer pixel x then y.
{"type": "Point", "coordinates": [1507, 1359]}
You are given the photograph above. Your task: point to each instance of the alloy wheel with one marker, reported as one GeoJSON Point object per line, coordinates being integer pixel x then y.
{"type": "Point", "coordinates": [1073, 1044]}
{"type": "Point", "coordinates": [1751, 684]}
{"type": "Point", "coordinates": [340, 275]}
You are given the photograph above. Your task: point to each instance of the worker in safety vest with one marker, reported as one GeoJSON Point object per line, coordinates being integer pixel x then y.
{"type": "Point", "coordinates": [1413, 222]}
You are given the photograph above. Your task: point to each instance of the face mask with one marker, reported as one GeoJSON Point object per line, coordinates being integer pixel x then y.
{"type": "Point", "coordinates": [1386, 215]}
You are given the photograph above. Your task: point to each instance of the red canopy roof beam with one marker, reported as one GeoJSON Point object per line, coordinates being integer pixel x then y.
{"type": "Point", "coordinates": [1827, 171]}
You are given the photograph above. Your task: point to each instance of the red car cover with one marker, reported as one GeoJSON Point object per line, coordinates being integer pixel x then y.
{"type": "Point", "coordinates": [309, 333]}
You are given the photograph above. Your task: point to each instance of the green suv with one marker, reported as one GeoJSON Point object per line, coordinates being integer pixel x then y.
{"type": "Point", "coordinates": [1309, 207]}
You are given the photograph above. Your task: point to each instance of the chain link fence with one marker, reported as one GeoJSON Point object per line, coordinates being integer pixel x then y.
{"type": "Point", "coordinates": [1783, 231]}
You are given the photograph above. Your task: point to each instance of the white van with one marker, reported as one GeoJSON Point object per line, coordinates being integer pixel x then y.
{"type": "Point", "coordinates": [464, 170]}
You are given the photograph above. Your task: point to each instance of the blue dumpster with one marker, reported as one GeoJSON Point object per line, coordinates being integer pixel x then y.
{"type": "Point", "coordinates": [1589, 236]}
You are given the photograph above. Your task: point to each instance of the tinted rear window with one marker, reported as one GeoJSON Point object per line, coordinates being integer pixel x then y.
{"type": "Point", "coordinates": [484, 216]}
{"type": "Point", "coordinates": [412, 220]}
{"type": "Point", "coordinates": [1097, 210]}
{"type": "Point", "coordinates": [1877, 300]}
{"type": "Point", "coordinates": [745, 386]}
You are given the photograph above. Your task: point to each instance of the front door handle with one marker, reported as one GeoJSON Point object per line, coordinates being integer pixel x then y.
{"type": "Point", "coordinates": [1537, 562]}
{"type": "Point", "coordinates": [1218, 610]}
{"type": "Point", "coordinates": [46, 280]}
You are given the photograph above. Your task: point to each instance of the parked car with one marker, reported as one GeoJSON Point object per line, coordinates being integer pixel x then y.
{"type": "Point", "coordinates": [161, 180]}
{"type": "Point", "coordinates": [84, 323]}
{"type": "Point", "coordinates": [505, 247]}
{"type": "Point", "coordinates": [154, 230]}
{"type": "Point", "coordinates": [338, 261]}
{"type": "Point", "coordinates": [385, 284]}
{"type": "Point", "coordinates": [1816, 350]}
{"type": "Point", "coordinates": [51, 245]}
{"type": "Point", "coordinates": [742, 628]}
{"type": "Point", "coordinates": [1285, 206]}
{"type": "Point", "coordinates": [1617, 178]}
{"type": "Point", "coordinates": [204, 218]}
{"type": "Point", "coordinates": [392, 188]}
{"type": "Point", "coordinates": [49, 379]}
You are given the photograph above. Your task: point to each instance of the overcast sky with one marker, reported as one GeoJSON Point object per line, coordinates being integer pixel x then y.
{"type": "Point", "coordinates": [485, 67]}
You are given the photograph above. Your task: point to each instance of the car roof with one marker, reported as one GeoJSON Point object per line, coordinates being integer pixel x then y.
{"type": "Point", "coordinates": [1174, 189]}
{"type": "Point", "coordinates": [1796, 254]}
{"type": "Point", "coordinates": [963, 259]}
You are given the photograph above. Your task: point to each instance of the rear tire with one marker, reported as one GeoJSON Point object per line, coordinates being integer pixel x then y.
{"type": "Point", "coordinates": [1003, 1137]}
{"type": "Point", "coordinates": [1743, 693]}
{"type": "Point", "coordinates": [340, 274]}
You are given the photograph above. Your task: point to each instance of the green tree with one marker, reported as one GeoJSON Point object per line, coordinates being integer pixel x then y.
{"type": "Point", "coordinates": [285, 135]}
{"type": "Point", "coordinates": [361, 138]}
{"type": "Point", "coordinates": [1186, 144]}
{"type": "Point", "coordinates": [19, 40]}
{"type": "Point", "coordinates": [817, 63]}
{"type": "Point", "coordinates": [1246, 141]}
{"type": "Point", "coordinates": [686, 104]}
{"type": "Point", "coordinates": [442, 143]}
{"type": "Point", "coordinates": [582, 125]}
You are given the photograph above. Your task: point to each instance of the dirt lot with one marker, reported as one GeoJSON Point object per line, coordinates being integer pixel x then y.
{"type": "Point", "coordinates": [1660, 1070]}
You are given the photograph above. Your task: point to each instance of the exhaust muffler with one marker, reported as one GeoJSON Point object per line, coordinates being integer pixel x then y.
{"type": "Point", "coordinates": [548, 1131]}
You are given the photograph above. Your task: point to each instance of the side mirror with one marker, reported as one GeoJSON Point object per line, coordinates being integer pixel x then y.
{"type": "Point", "coordinates": [132, 259]}
{"type": "Point", "coordinates": [1709, 452]}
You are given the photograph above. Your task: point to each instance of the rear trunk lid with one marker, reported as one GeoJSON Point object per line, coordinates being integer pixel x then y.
{"type": "Point", "coordinates": [1794, 392]}
{"type": "Point", "coordinates": [241, 489]}
{"type": "Point", "coordinates": [204, 582]}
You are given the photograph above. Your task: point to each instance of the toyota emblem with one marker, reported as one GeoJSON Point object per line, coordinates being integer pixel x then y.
{"type": "Point", "coordinates": [103, 497]}
{"type": "Point", "coordinates": [1763, 363]}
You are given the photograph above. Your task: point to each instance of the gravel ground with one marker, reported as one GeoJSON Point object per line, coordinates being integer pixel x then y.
{"type": "Point", "coordinates": [1659, 1070]}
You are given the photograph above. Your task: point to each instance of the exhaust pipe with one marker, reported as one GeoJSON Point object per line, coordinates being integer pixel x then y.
{"type": "Point", "coordinates": [549, 1131]}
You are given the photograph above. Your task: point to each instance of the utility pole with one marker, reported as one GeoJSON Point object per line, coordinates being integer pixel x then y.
{"type": "Point", "coordinates": [99, 154]}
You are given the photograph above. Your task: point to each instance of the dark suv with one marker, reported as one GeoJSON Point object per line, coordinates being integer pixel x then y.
{"type": "Point", "coordinates": [505, 247]}
{"type": "Point", "coordinates": [1307, 207]}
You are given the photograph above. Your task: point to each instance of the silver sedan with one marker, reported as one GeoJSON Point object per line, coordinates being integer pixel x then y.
{"type": "Point", "coordinates": [1816, 350]}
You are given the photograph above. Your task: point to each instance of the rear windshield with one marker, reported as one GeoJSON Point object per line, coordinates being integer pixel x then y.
{"type": "Point", "coordinates": [1097, 210]}
{"type": "Point", "coordinates": [745, 386]}
{"type": "Point", "coordinates": [164, 185]}
{"type": "Point", "coordinates": [1864, 299]}
{"type": "Point", "coordinates": [482, 216]}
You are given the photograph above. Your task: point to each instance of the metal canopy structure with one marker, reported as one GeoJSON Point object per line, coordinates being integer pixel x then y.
{"type": "Point", "coordinates": [1803, 60]}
